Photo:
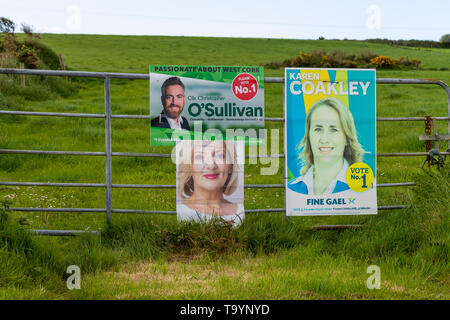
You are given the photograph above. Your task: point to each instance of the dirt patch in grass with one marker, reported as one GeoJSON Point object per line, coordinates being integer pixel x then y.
{"type": "Point", "coordinates": [177, 279]}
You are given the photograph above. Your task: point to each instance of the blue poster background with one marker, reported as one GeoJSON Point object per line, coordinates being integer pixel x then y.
{"type": "Point", "coordinates": [362, 107]}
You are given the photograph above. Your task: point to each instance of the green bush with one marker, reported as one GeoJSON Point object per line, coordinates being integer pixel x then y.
{"type": "Point", "coordinates": [30, 54]}
{"type": "Point", "coordinates": [340, 59]}
{"type": "Point", "coordinates": [383, 62]}
{"type": "Point", "coordinates": [410, 64]}
{"type": "Point", "coordinates": [365, 56]}
{"type": "Point", "coordinates": [48, 57]}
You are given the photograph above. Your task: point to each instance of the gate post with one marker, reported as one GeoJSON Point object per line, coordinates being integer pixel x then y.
{"type": "Point", "coordinates": [108, 148]}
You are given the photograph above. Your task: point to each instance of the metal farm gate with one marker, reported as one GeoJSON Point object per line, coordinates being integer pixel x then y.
{"type": "Point", "coordinates": [108, 185]}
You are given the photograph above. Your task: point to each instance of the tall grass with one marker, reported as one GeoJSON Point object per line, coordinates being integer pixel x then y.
{"type": "Point", "coordinates": [416, 239]}
{"type": "Point", "coordinates": [405, 232]}
{"type": "Point", "coordinates": [25, 261]}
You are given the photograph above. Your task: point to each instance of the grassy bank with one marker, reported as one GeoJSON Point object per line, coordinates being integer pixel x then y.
{"type": "Point", "coordinates": [269, 257]}
{"type": "Point", "coordinates": [135, 53]}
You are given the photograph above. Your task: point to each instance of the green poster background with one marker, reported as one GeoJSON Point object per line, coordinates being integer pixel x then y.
{"type": "Point", "coordinates": [210, 103]}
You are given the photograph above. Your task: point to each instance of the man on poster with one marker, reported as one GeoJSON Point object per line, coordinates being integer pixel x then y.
{"type": "Point", "coordinates": [173, 100]}
{"type": "Point", "coordinates": [221, 100]}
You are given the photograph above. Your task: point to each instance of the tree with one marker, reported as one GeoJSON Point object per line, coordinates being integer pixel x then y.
{"type": "Point", "coordinates": [445, 38]}
{"type": "Point", "coordinates": [7, 26]}
{"type": "Point", "coordinates": [27, 29]}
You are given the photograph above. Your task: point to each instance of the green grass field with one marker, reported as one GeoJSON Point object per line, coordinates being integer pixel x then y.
{"type": "Point", "coordinates": [269, 257]}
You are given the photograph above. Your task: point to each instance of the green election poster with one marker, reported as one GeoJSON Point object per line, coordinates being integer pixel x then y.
{"type": "Point", "coordinates": [206, 103]}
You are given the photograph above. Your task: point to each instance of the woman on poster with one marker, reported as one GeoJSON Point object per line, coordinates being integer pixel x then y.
{"type": "Point", "coordinates": [330, 146]}
{"type": "Point", "coordinates": [207, 173]}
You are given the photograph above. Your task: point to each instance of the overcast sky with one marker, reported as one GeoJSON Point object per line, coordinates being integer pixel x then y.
{"type": "Point", "coordinates": [301, 19]}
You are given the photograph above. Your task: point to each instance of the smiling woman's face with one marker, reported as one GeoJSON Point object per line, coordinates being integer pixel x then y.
{"type": "Point", "coordinates": [326, 135]}
{"type": "Point", "coordinates": [211, 166]}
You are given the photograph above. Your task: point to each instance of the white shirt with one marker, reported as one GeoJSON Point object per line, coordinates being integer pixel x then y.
{"type": "Point", "coordinates": [308, 179]}
{"type": "Point", "coordinates": [174, 124]}
{"type": "Point", "coordinates": [184, 213]}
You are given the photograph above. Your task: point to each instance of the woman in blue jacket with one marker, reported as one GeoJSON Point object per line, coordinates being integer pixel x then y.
{"type": "Point", "coordinates": [330, 146]}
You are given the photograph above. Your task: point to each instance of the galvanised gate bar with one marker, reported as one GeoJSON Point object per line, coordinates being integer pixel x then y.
{"type": "Point", "coordinates": [108, 185]}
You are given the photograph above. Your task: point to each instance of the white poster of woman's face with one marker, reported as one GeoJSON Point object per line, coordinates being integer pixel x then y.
{"type": "Point", "coordinates": [210, 181]}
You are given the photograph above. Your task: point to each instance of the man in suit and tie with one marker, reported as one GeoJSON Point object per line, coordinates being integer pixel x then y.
{"type": "Point", "coordinates": [173, 100]}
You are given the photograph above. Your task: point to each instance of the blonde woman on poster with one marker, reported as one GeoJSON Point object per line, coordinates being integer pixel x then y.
{"type": "Point", "coordinates": [330, 145]}
{"type": "Point", "coordinates": [208, 182]}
